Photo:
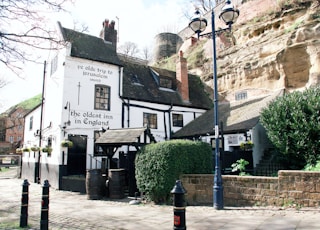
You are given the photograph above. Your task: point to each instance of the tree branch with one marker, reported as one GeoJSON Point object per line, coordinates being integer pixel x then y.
{"type": "Point", "coordinates": [22, 30]}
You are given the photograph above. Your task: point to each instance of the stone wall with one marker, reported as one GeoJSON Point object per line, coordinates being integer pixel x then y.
{"type": "Point", "coordinates": [289, 188]}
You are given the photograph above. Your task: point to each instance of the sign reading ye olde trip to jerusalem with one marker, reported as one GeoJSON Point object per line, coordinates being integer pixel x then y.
{"type": "Point", "coordinates": [97, 72]}
{"type": "Point", "coordinates": [92, 118]}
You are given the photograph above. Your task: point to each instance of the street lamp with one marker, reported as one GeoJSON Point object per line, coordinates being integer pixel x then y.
{"type": "Point", "coordinates": [198, 24]}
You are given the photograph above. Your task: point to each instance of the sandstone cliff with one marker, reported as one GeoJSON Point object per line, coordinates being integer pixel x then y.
{"type": "Point", "coordinates": [272, 46]}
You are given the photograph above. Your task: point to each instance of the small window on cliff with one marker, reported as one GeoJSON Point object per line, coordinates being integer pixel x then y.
{"type": "Point", "coordinates": [241, 95]}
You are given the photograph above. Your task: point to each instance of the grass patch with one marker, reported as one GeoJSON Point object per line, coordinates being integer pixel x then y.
{"type": "Point", "coordinates": [168, 63]}
{"type": "Point", "coordinates": [4, 169]}
{"type": "Point", "coordinates": [196, 56]}
{"type": "Point", "coordinates": [294, 26]}
{"type": "Point", "coordinates": [13, 225]}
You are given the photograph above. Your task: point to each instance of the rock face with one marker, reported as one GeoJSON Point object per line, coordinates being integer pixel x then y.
{"type": "Point", "coordinates": [274, 48]}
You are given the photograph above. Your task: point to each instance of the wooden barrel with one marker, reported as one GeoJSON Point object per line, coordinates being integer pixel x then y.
{"type": "Point", "coordinates": [93, 184]}
{"type": "Point", "coordinates": [116, 183]}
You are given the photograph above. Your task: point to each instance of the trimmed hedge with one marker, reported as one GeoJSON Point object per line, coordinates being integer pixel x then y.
{"type": "Point", "coordinates": [159, 165]}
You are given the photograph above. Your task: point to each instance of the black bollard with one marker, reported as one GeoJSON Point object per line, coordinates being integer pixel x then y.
{"type": "Point", "coordinates": [44, 221]}
{"type": "Point", "coordinates": [179, 209]}
{"type": "Point", "coordinates": [24, 204]}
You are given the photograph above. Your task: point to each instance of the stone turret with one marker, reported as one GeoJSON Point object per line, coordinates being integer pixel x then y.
{"type": "Point", "coordinates": [166, 45]}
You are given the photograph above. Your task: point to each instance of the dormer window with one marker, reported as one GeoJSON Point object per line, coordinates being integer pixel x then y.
{"type": "Point", "coordinates": [165, 82]}
{"type": "Point", "coordinates": [134, 79]}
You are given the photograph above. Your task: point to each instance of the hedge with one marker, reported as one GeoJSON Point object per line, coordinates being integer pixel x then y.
{"type": "Point", "coordinates": [159, 165]}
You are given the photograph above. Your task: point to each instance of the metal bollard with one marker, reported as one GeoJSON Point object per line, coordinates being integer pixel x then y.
{"type": "Point", "coordinates": [24, 204]}
{"type": "Point", "coordinates": [179, 209]}
{"type": "Point", "coordinates": [44, 221]}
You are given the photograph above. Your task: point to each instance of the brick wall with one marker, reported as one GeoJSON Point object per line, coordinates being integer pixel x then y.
{"type": "Point", "coordinates": [289, 188]}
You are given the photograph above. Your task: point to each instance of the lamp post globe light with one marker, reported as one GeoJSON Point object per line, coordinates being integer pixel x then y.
{"type": "Point", "coordinates": [198, 24]}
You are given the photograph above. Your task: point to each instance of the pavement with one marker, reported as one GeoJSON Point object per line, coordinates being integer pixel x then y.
{"type": "Point", "coordinates": [72, 210]}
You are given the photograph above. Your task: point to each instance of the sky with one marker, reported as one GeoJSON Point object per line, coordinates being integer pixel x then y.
{"type": "Point", "coordinates": [137, 21]}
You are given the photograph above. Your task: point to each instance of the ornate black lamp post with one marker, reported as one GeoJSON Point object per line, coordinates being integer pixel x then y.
{"type": "Point", "coordinates": [198, 24]}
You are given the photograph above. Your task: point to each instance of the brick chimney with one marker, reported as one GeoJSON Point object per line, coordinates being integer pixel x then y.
{"type": "Point", "coordinates": [182, 77]}
{"type": "Point", "coordinates": [108, 33]}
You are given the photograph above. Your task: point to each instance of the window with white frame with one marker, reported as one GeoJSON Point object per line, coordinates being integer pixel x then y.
{"type": "Point", "coordinates": [177, 120]}
{"type": "Point", "coordinates": [2, 137]}
{"type": "Point", "coordinates": [150, 120]}
{"type": "Point", "coordinates": [54, 65]}
{"type": "Point", "coordinates": [102, 97]}
{"type": "Point", "coordinates": [31, 123]}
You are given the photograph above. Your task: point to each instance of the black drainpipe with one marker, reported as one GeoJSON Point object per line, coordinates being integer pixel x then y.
{"type": "Point", "coordinates": [170, 130]}
{"type": "Point", "coordinates": [38, 173]}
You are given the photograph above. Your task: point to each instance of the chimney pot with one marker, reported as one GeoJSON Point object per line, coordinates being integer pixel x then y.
{"type": "Point", "coordinates": [106, 23]}
{"type": "Point", "coordinates": [182, 76]}
{"type": "Point", "coordinates": [108, 33]}
{"type": "Point", "coordinates": [111, 25]}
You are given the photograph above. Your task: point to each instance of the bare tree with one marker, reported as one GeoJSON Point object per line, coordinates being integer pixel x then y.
{"type": "Point", "coordinates": [3, 82]}
{"type": "Point", "coordinates": [203, 5]}
{"type": "Point", "coordinates": [129, 49]}
{"type": "Point", "coordinates": [23, 30]}
{"type": "Point", "coordinates": [146, 54]}
{"type": "Point", "coordinates": [206, 5]}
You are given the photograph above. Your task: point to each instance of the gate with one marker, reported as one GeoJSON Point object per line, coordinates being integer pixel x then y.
{"type": "Point", "coordinates": [12, 165]}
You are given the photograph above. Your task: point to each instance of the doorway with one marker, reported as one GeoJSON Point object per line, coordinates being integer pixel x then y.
{"type": "Point", "coordinates": [77, 155]}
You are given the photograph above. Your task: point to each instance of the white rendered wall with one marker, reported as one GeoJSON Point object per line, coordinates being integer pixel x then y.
{"type": "Point", "coordinates": [135, 117]}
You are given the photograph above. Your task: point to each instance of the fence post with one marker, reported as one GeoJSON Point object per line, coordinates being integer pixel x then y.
{"type": "Point", "coordinates": [44, 221]}
{"type": "Point", "coordinates": [24, 204]}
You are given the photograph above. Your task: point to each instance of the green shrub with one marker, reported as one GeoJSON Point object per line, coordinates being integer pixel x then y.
{"type": "Point", "coordinates": [159, 165]}
{"type": "Point", "coordinates": [293, 127]}
{"type": "Point", "coordinates": [310, 167]}
{"type": "Point", "coordinates": [240, 165]}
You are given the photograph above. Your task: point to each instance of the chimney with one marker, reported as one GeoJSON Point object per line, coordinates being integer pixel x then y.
{"type": "Point", "coordinates": [182, 77]}
{"type": "Point", "coordinates": [108, 33]}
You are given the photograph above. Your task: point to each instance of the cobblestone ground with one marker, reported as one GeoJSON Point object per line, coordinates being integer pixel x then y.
{"type": "Point", "coordinates": [71, 211]}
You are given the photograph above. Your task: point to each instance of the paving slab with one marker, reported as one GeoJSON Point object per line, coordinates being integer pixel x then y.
{"type": "Point", "coordinates": [73, 211]}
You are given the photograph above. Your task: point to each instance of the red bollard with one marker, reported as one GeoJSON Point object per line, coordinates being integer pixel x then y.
{"type": "Point", "coordinates": [44, 221]}
{"type": "Point", "coordinates": [24, 204]}
{"type": "Point", "coordinates": [179, 209]}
